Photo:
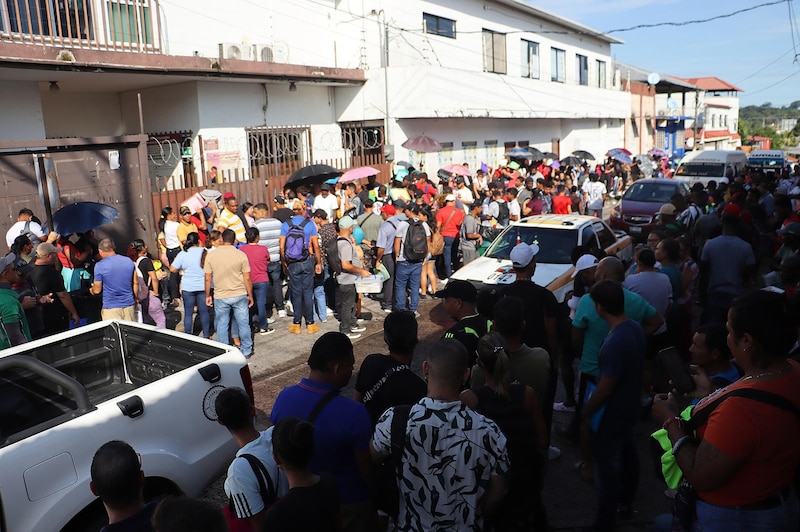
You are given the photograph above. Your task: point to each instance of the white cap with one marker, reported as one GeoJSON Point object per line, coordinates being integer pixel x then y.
{"type": "Point", "coordinates": [522, 255]}
{"type": "Point", "coordinates": [449, 197]}
{"type": "Point", "coordinates": [584, 263]}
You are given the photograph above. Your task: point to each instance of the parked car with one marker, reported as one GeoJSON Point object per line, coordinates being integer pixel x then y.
{"type": "Point", "coordinates": [637, 210]}
{"type": "Point", "coordinates": [556, 235]}
{"type": "Point", "coordinates": [64, 396]}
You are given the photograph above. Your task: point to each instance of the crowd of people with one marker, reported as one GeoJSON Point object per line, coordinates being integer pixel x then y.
{"type": "Point", "coordinates": [466, 448]}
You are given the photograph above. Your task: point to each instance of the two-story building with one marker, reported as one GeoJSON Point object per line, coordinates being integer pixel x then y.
{"type": "Point", "coordinates": [714, 115]}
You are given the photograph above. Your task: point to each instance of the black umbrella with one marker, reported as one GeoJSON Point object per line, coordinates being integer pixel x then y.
{"type": "Point", "coordinates": [528, 152]}
{"type": "Point", "coordinates": [550, 155]}
{"type": "Point", "coordinates": [571, 160]}
{"type": "Point", "coordinates": [313, 174]}
{"type": "Point", "coordinates": [583, 154]}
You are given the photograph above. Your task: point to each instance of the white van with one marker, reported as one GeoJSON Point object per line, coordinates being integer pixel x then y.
{"type": "Point", "coordinates": [768, 161]}
{"type": "Point", "coordinates": [722, 166]}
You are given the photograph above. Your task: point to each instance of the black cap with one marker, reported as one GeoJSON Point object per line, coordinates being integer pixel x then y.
{"type": "Point", "coordinates": [399, 204]}
{"type": "Point", "coordinates": [280, 199]}
{"type": "Point", "coordinates": [463, 290]}
{"type": "Point", "coordinates": [325, 186]}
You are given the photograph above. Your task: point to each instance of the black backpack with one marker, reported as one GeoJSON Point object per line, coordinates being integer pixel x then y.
{"type": "Point", "coordinates": [502, 217]}
{"type": "Point", "coordinates": [267, 489]}
{"type": "Point", "coordinates": [296, 247]}
{"type": "Point", "coordinates": [332, 253]}
{"type": "Point", "coordinates": [386, 495]}
{"type": "Point", "coordinates": [415, 244]}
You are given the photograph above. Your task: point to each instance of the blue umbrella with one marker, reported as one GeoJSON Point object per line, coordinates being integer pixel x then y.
{"type": "Point", "coordinates": [83, 216]}
{"type": "Point", "coordinates": [620, 155]}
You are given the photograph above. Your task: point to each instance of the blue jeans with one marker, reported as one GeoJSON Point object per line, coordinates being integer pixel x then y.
{"type": "Point", "coordinates": [713, 518]}
{"type": "Point", "coordinates": [450, 254]}
{"type": "Point", "coordinates": [407, 276]}
{"type": "Point", "coordinates": [260, 295]}
{"type": "Point", "coordinates": [241, 316]}
{"type": "Point", "coordinates": [274, 271]}
{"type": "Point", "coordinates": [301, 284]}
{"type": "Point", "coordinates": [190, 299]}
{"type": "Point", "coordinates": [616, 470]}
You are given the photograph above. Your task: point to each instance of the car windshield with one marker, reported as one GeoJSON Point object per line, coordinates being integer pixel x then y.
{"type": "Point", "coordinates": [555, 245]}
{"type": "Point", "coordinates": [701, 169]}
{"type": "Point", "coordinates": [650, 192]}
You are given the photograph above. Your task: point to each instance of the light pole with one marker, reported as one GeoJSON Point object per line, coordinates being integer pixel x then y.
{"type": "Point", "coordinates": [382, 24]}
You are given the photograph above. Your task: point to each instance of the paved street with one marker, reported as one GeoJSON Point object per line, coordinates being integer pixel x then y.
{"type": "Point", "coordinates": [280, 360]}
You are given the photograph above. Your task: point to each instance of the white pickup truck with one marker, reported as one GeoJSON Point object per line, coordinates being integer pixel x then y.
{"type": "Point", "coordinates": [62, 397]}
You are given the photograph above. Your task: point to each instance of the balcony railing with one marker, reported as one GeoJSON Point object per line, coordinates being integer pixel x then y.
{"type": "Point", "coordinates": [115, 25]}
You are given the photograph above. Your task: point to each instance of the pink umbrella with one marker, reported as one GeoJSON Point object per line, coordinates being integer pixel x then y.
{"type": "Point", "coordinates": [457, 169]}
{"type": "Point", "coordinates": [358, 173]}
{"type": "Point", "coordinates": [422, 144]}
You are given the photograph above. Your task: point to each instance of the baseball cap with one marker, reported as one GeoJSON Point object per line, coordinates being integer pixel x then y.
{"type": "Point", "coordinates": [792, 228]}
{"type": "Point", "coordinates": [668, 209]}
{"type": "Point", "coordinates": [399, 204]}
{"type": "Point", "coordinates": [449, 197]}
{"type": "Point", "coordinates": [345, 222]}
{"type": "Point", "coordinates": [585, 262]}
{"type": "Point", "coordinates": [186, 210]}
{"type": "Point", "coordinates": [46, 248]}
{"type": "Point", "coordinates": [522, 255]}
{"type": "Point", "coordinates": [463, 290]}
{"type": "Point", "coordinates": [228, 195]}
{"type": "Point", "coordinates": [732, 208]}
{"type": "Point", "coordinates": [280, 199]}
{"type": "Point", "coordinates": [388, 209]}
{"type": "Point", "coordinates": [6, 261]}
{"type": "Point", "coordinates": [325, 186]}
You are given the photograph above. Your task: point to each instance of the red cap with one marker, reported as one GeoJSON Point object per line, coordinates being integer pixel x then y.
{"type": "Point", "coordinates": [228, 195]}
{"type": "Point", "coordinates": [388, 209]}
{"type": "Point", "coordinates": [732, 208]}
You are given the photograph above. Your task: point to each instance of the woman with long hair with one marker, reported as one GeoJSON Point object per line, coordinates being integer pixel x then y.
{"type": "Point", "coordinates": [168, 225]}
{"type": "Point", "coordinates": [22, 247]}
{"type": "Point", "coordinates": [516, 410]}
{"type": "Point", "coordinates": [428, 275]}
{"type": "Point", "coordinates": [190, 262]}
{"type": "Point", "coordinates": [148, 284]}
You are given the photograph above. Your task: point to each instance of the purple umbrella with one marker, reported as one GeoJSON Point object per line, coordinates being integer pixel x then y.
{"type": "Point", "coordinates": [658, 152]}
{"type": "Point", "coordinates": [619, 154]}
{"type": "Point", "coordinates": [358, 173]}
{"type": "Point", "coordinates": [422, 144]}
{"type": "Point", "coordinates": [555, 164]}
{"type": "Point", "coordinates": [457, 169]}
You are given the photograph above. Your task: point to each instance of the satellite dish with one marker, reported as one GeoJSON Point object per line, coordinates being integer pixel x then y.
{"type": "Point", "coordinates": [672, 103]}
{"type": "Point", "coordinates": [653, 78]}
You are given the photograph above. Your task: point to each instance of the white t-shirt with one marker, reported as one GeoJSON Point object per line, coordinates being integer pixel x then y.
{"type": "Point", "coordinates": [17, 228]}
{"type": "Point", "coordinates": [514, 209]}
{"type": "Point", "coordinates": [171, 234]}
{"type": "Point", "coordinates": [594, 194]}
{"type": "Point", "coordinates": [464, 195]}
{"type": "Point", "coordinates": [328, 203]}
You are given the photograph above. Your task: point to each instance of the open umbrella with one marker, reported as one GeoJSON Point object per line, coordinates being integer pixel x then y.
{"type": "Point", "coordinates": [457, 169]}
{"type": "Point", "coordinates": [619, 154]}
{"type": "Point", "coordinates": [83, 216]}
{"type": "Point", "coordinates": [657, 152]}
{"type": "Point", "coordinates": [358, 173]}
{"type": "Point", "coordinates": [571, 160]}
{"type": "Point", "coordinates": [550, 155]}
{"type": "Point", "coordinates": [583, 154]}
{"type": "Point", "coordinates": [555, 164]}
{"type": "Point", "coordinates": [623, 150]}
{"type": "Point", "coordinates": [524, 153]}
{"type": "Point", "coordinates": [645, 163]}
{"type": "Point", "coordinates": [422, 144]}
{"type": "Point", "coordinates": [312, 174]}
{"type": "Point", "coordinates": [404, 164]}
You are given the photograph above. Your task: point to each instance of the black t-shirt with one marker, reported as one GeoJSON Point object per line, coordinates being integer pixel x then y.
{"type": "Point", "coordinates": [47, 280]}
{"type": "Point", "coordinates": [468, 331]}
{"type": "Point", "coordinates": [308, 508]}
{"type": "Point", "coordinates": [283, 214]}
{"type": "Point", "coordinates": [138, 522]}
{"type": "Point", "coordinates": [539, 303]}
{"type": "Point", "coordinates": [401, 387]}
{"type": "Point", "coordinates": [146, 266]}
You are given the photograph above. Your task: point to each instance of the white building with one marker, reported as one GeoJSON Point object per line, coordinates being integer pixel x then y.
{"type": "Point", "coordinates": [716, 107]}
{"type": "Point", "coordinates": [245, 85]}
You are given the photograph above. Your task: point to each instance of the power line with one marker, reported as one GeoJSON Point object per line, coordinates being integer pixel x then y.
{"type": "Point", "coordinates": [787, 52]}
{"type": "Point", "coordinates": [775, 84]}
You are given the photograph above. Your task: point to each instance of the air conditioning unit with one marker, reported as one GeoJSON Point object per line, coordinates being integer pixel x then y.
{"type": "Point", "coordinates": [229, 50]}
{"type": "Point", "coordinates": [277, 52]}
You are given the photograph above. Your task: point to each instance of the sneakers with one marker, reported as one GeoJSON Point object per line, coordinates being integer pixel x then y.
{"type": "Point", "coordinates": [386, 310]}
{"type": "Point", "coordinates": [353, 335]}
{"type": "Point", "coordinates": [313, 328]}
{"type": "Point", "coordinates": [358, 329]}
{"type": "Point", "coordinates": [295, 328]}
{"type": "Point", "coordinates": [268, 330]}
{"type": "Point", "coordinates": [270, 321]}
{"type": "Point", "coordinates": [562, 407]}
{"type": "Point", "coordinates": [416, 314]}
{"type": "Point", "coordinates": [281, 313]}
{"type": "Point", "coordinates": [289, 309]}
{"type": "Point", "coordinates": [553, 453]}
{"type": "Point", "coordinates": [330, 312]}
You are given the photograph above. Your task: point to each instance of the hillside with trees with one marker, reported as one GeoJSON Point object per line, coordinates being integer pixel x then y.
{"type": "Point", "coordinates": [766, 121]}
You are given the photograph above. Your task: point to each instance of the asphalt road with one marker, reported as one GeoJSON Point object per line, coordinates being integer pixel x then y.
{"type": "Point", "coordinates": [280, 360]}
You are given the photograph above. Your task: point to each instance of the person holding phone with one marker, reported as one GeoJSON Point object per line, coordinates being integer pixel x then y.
{"type": "Point", "coordinates": [741, 459]}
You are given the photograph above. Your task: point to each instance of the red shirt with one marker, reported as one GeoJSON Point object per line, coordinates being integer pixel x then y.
{"type": "Point", "coordinates": [258, 257]}
{"type": "Point", "coordinates": [200, 232]}
{"type": "Point", "coordinates": [452, 228]}
{"type": "Point", "coordinates": [561, 204]}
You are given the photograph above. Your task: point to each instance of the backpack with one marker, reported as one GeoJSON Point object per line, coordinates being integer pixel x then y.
{"type": "Point", "coordinates": [332, 253]}
{"type": "Point", "coordinates": [502, 217]}
{"type": "Point", "coordinates": [386, 495]}
{"type": "Point", "coordinates": [266, 489]}
{"type": "Point", "coordinates": [437, 243]}
{"type": "Point", "coordinates": [296, 247]}
{"type": "Point", "coordinates": [34, 238]}
{"type": "Point", "coordinates": [415, 244]}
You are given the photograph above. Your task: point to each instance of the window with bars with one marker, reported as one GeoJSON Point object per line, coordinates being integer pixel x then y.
{"type": "Point", "coordinates": [558, 65]}
{"type": "Point", "coordinates": [435, 25]}
{"type": "Point", "coordinates": [582, 63]}
{"type": "Point", "coordinates": [494, 52]}
{"type": "Point", "coordinates": [530, 59]}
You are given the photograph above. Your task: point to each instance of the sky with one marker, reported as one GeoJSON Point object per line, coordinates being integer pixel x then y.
{"type": "Point", "coordinates": [753, 50]}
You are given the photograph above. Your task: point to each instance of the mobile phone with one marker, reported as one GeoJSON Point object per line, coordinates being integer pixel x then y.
{"type": "Point", "coordinates": [678, 371]}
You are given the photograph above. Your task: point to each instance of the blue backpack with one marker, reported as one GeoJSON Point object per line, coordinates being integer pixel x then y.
{"type": "Point", "coordinates": [296, 248]}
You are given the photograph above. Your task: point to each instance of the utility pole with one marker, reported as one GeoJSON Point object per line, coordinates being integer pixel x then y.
{"type": "Point", "coordinates": [696, 118]}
